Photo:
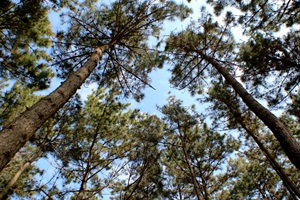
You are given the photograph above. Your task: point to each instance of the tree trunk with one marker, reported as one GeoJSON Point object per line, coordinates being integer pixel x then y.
{"type": "Point", "coordinates": [16, 134]}
{"type": "Point", "coordinates": [11, 183]}
{"type": "Point", "coordinates": [85, 178]}
{"type": "Point", "coordinates": [187, 158]}
{"type": "Point", "coordinates": [288, 183]}
{"type": "Point", "coordinates": [287, 142]}
{"type": "Point", "coordinates": [13, 180]}
{"type": "Point", "coordinates": [191, 169]}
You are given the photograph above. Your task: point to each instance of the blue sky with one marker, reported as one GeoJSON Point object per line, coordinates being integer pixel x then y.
{"type": "Point", "coordinates": [152, 98]}
{"type": "Point", "coordinates": [159, 77]}
{"type": "Point", "coordinates": [160, 81]}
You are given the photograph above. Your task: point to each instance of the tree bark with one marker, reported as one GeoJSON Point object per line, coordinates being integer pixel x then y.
{"type": "Point", "coordinates": [287, 142]}
{"type": "Point", "coordinates": [17, 133]}
{"type": "Point", "coordinates": [187, 158]}
{"type": "Point", "coordinates": [287, 182]}
{"type": "Point", "coordinates": [23, 167]}
{"type": "Point", "coordinates": [14, 180]}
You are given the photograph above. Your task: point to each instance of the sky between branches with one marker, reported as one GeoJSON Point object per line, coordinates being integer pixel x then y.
{"type": "Point", "coordinates": [159, 77]}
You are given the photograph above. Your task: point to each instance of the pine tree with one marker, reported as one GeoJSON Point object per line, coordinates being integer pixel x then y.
{"type": "Point", "coordinates": [226, 105]}
{"type": "Point", "coordinates": [96, 144]}
{"type": "Point", "coordinates": [86, 143]}
{"type": "Point", "coordinates": [194, 154]}
{"type": "Point", "coordinates": [121, 39]}
{"type": "Point", "coordinates": [25, 36]}
{"type": "Point", "coordinates": [143, 176]}
{"type": "Point", "coordinates": [207, 49]}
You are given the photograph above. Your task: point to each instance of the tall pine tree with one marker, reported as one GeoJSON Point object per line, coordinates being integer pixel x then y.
{"type": "Point", "coordinates": [120, 30]}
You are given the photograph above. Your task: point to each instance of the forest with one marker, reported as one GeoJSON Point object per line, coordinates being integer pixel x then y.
{"type": "Point", "coordinates": [240, 139]}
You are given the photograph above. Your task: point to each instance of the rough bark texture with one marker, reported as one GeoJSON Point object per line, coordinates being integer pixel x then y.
{"type": "Point", "coordinates": [287, 142]}
{"type": "Point", "coordinates": [16, 134]}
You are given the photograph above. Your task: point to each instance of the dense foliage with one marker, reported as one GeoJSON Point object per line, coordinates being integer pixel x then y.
{"type": "Point", "coordinates": [227, 145]}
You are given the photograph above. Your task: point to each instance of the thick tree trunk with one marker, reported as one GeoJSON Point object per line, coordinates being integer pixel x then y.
{"type": "Point", "coordinates": [17, 133]}
{"type": "Point", "coordinates": [287, 142]}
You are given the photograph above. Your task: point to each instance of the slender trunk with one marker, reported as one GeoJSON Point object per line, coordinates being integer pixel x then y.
{"type": "Point", "coordinates": [17, 133]}
{"type": "Point", "coordinates": [288, 183]}
{"type": "Point", "coordinates": [4, 192]}
{"type": "Point", "coordinates": [193, 176]}
{"type": "Point", "coordinates": [82, 189]}
{"type": "Point", "coordinates": [10, 184]}
{"type": "Point", "coordinates": [136, 182]}
{"type": "Point", "coordinates": [188, 161]}
{"type": "Point", "coordinates": [287, 142]}
{"type": "Point", "coordinates": [88, 167]}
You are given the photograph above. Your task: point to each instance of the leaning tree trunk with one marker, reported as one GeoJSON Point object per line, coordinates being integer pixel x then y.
{"type": "Point", "coordinates": [17, 133]}
{"type": "Point", "coordinates": [253, 132]}
{"type": "Point", "coordinates": [287, 182]}
{"type": "Point", "coordinates": [287, 142]}
{"type": "Point", "coordinates": [10, 184]}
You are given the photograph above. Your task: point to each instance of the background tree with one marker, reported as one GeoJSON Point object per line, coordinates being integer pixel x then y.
{"type": "Point", "coordinates": [144, 174]}
{"type": "Point", "coordinates": [194, 154]}
{"type": "Point", "coordinates": [95, 145]}
{"type": "Point", "coordinates": [86, 145]}
{"type": "Point", "coordinates": [260, 15]}
{"type": "Point", "coordinates": [228, 107]}
{"type": "Point", "coordinates": [24, 37]}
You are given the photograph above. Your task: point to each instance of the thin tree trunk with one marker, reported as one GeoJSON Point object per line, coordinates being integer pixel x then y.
{"type": "Point", "coordinates": [85, 178]}
{"type": "Point", "coordinates": [193, 176]}
{"type": "Point", "coordinates": [14, 180]}
{"type": "Point", "coordinates": [287, 142]}
{"type": "Point", "coordinates": [288, 183]}
{"type": "Point", "coordinates": [188, 161]}
{"type": "Point", "coordinates": [10, 184]}
{"type": "Point", "coordinates": [17, 133]}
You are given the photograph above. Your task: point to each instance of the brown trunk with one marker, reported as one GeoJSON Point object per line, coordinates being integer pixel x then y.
{"type": "Point", "coordinates": [14, 180]}
{"type": "Point", "coordinates": [17, 133]}
{"type": "Point", "coordinates": [287, 142]}
{"type": "Point", "coordinates": [190, 166]}
{"type": "Point", "coordinates": [10, 184]}
{"type": "Point", "coordinates": [193, 176]}
{"type": "Point", "coordinates": [85, 178]}
{"type": "Point", "coordinates": [288, 183]}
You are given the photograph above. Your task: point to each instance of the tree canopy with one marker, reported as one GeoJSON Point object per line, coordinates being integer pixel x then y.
{"type": "Point", "coordinates": [240, 139]}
